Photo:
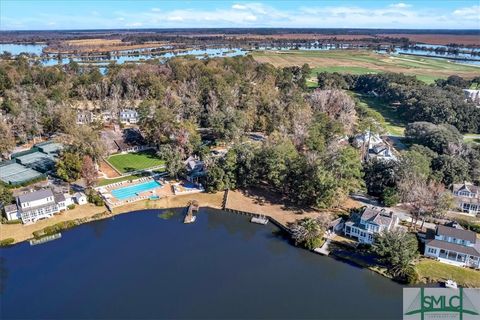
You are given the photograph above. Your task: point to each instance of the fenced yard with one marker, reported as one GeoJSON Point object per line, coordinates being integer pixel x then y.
{"type": "Point", "coordinates": [130, 162]}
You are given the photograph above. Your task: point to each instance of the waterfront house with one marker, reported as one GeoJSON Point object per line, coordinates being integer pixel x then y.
{"type": "Point", "coordinates": [364, 225]}
{"type": "Point", "coordinates": [454, 245]}
{"type": "Point", "coordinates": [80, 198]}
{"type": "Point", "coordinates": [128, 116]}
{"type": "Point", "coordinates": [467, 198]}
{"type": "Point", "coordinates": [36, 205]}
{"type": "Point", "coordinates": [195, 169]}
{"type": "Point", "coordinates": [41, 204]}
{"type": "Point", "coordinates": [11, 212]}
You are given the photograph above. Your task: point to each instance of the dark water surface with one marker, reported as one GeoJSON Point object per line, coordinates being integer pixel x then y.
{"type": "Point", "coordinates": [140, 266]}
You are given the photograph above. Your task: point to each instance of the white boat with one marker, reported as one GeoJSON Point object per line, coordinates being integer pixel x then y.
{"type": "Point", "coordinates": [451, 284]}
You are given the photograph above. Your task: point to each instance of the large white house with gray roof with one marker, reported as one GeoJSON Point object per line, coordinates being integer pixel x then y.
{"type": "Point", "coordinates": [33, 206]}
{"type": "Point", "coordinates": [454, 245]}
{"type": "Point", "coordinates": [366, 224]}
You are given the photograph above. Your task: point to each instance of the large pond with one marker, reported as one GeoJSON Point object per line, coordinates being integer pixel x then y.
{"type": "Point", "coordinates": [141, 266]}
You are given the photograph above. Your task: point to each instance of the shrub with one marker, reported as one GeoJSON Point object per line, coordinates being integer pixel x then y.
{"type": "Point", "coordinates": [390, 197]}
{"type": "Point", "coordinates": [71, 207]}
{"type": "Point", "coordinates": [7, 242]}
{"type": "Point", "coordinates": [475, 227]}
{"type": "Point", "coordinates": [16, 221]}
{"type": "Point", "coordinates": [96, 199]}
{"type": "Point", "coordinates": [411, 276]}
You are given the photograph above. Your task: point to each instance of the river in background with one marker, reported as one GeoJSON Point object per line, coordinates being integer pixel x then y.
{"type": "Point", "coordinates": [138, 265]}
{"type": "Point", "coordinates": [140, 55]}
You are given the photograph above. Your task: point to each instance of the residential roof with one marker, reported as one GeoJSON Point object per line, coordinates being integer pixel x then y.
{"type": "Point", "coordinates": [378, 216]}
{"type": "Point", "coordinates": [473, 251]}
{"type": "Point", "coordinates": [466, 186]}
{"type": "Point", "coordinates": [457, 233]}
{"type": "Point", "coordinates": [79, 195]}
{"type": "Point", "coordinates": [10, 208]}
{"type": "Point", "coordinates": [35, 195]}
{"type": "Point", "coordinates": [59, 197]}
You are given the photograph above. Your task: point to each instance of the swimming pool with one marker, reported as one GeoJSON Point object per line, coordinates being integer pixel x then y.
{"type": "Point", "coordinates": [133, 191]}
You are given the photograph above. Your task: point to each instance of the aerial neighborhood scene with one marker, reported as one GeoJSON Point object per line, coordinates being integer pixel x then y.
{"type": "Point", "coordinates": [247, 160]}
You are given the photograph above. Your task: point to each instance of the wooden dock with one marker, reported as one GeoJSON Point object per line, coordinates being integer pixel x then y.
{"type": "Point", "coordinates": [193, 208]}
{"type": "Point", "coordinates": [45, 239]}
{"type": "Point", "coordinates": [259, 219]}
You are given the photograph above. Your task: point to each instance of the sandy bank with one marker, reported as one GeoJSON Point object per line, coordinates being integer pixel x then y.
{"type": "Point", "coordinates": [89, 212]}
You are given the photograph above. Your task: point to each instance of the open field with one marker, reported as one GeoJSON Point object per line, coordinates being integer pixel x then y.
{"type": "Point", "coordinates": [434, 271]}
{"type": "Point", "coordinates": [394, 125]}
{"type": "Point", "coordinates": [101, 45]}
{"type": "Point", "coordinates": [363, 61]}
{"type": "Point", "coordinates": [442, 39]}
{"type": "Point", "coordinates": [135, 161]}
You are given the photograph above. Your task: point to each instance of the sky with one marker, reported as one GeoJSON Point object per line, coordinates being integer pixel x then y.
{"type": "Point", "coordinates": [110, 14]}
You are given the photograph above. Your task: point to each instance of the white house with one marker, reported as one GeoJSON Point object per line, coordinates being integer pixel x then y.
{"type": "Point", "coordinates": [33, 206]}
{"type": "Point", "coordinates": [372, 139]}
{"type": "Point", "coordinates": [472, 95]}
{"type": "Point", "coordinates": [80, 198]}
{"type": "Point", "coordinates": [467, 197]}
{"type": "Point", "coordinates": [84, 117]}
{"type": "Point", "coordinates": [11, 212]}
{"type": "Point", "coordinates": [128, 116]}
{"type": "Point", "coordinates": [382, 151]}
{"type": "Point", "coordinates": [36, 205]}
{"type": "Point", "coordinates": [454, 245]}
{"type": "Point", "coordinates": [370, 221]}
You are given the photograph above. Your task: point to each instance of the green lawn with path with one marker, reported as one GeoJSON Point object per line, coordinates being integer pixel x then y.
{"type": "Point", "coordinates": [435, 271]}
{"type": "Point", "coordinates": [394, 125]}
{"type": "Point", "coordinates": [130, 162]}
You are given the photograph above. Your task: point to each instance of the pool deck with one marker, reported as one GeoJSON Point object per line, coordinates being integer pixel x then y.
{"type": "Point", "coordinates": [163, 190]}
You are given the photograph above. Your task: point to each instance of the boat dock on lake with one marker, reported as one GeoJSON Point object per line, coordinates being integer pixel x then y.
{"type": "Point", "coordinates": [259, 219]}
{"type": "Point", "coordinates": [45, 239]}
{"type": "Point", "coordinates": [193, 208]}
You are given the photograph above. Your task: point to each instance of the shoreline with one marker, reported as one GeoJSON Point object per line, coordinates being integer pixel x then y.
{"type": "Point", "coordinates": [89, 212]}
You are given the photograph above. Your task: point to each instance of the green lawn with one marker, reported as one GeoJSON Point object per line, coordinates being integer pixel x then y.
{"type": "Point", "coordinates": [364, 61]}
{"type": "Point", "coordinates": [135, 161]}
{"type": "Point", "coordinates": [104, 182]}
{"type": "Point", "coordinates": [394, 125]}
{"type": "Point", "coordinates": [434, 271]}
{"type": "Point", "coordinates": [472, 138]}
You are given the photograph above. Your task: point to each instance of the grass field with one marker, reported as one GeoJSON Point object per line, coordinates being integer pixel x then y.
{"type": "Point", "coordinates": [363, 61]}
{"type": "Point", "coordinates": [394, 125]}
{"type": "Point", "coordinates": [104, 182]}
{"type": "Point", "coordinates": [435, 271]}
{"type": "Point", "coordinates": [135, 161]}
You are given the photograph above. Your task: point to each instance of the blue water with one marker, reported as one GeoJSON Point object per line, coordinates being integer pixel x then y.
{"type": "Point", "coordinates": [132, 191]}
{"type": "Point", "coordinates": [138, 266]}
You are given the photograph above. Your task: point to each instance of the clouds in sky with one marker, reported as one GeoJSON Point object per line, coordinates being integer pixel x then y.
{"type": "Point", "coordinates": [255, 14]}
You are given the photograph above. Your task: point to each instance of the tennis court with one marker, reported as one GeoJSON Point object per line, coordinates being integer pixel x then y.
{"type": "Point", "coordinates": [38, 161]}
{"type": "Point", "coordinates": [15, 173]}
